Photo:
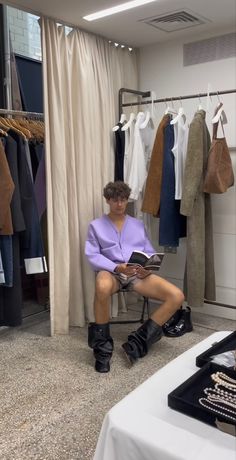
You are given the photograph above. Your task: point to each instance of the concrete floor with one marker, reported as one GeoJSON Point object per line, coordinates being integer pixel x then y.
{"type": "Point", "coordinates": [53, 402]}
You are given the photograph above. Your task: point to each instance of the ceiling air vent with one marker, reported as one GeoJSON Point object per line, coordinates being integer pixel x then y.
{"type": "Point", "coordinates": [177, 20]}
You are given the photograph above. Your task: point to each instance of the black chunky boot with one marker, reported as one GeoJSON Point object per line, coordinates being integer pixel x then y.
{"type": "Point", "coordinates": [182, 326]}
{"type": "Point", "coordinates": [172, 321]}
{"type": "Point", "coordinates": [101, 342]}
{"type": "Point", "coordinates": [140, 341]}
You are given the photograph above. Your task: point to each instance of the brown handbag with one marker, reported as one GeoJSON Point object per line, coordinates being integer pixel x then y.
{"type": "Point", "coordinates": [219, 175]}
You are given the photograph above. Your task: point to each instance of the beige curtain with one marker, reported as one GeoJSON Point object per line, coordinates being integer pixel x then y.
{"type": "Point", "coordinates": [82, 74]}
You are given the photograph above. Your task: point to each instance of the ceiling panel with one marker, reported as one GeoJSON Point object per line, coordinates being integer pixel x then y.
{"type": "Point", "coordinates": [127, 28]}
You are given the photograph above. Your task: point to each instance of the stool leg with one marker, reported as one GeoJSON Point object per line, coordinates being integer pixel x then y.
{"type": "Point", "coordinates": [148, 308]}
{"type": "Point", "coordinates": [145, 304]}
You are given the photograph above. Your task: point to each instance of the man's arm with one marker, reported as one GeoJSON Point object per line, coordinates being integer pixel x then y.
{"type": "Point", "coordinates": [92, 251]}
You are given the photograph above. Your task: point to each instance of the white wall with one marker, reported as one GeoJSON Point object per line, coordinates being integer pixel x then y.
{"type": "Point", "coordinates": [161, 70]}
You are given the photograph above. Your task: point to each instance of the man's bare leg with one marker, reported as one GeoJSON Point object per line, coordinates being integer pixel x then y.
{"type": "Point", "coordinates": [106, 285]}
{"type": "Point", "coordinates": [157, 288]}
{"type": "Point", "coordinates": [99, 338]}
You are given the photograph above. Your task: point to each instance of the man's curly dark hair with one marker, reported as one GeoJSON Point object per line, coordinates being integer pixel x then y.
{"type": "Point", "coordinates": [117, 189]}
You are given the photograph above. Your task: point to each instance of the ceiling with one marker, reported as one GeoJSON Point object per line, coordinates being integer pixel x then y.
{"type": "Point", "coordinates": [126, 28]}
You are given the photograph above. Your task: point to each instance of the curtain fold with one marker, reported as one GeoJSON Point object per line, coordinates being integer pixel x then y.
{"type": "Point", "coordinates": [82, 74]}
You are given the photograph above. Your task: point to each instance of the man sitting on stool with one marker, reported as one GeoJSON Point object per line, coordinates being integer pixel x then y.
{"type": "Point", "coordinates": [110, 242]}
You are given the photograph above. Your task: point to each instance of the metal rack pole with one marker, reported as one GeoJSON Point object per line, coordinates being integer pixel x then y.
{"type": "Point", "coordinates": [168, 99]}
{"type": "Point", "coordinates": [21, 113]}
{"type": "Point", "coordinates": [130, 91]}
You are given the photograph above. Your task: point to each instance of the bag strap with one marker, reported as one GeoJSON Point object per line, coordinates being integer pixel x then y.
{"type": "Point", "coordinates": [215, 125]}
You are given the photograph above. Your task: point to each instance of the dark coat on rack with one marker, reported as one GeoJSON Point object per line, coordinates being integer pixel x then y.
{"type": "Point", "coordinates": [11, 298]}
{"type": "Point", "coordinates": [32, 250]}
{"type": "Point", "coordinates": [119, 153]}
{"type": "Point", "coordinates": [172, 223]}
{"type": "Point", "coordinates": [152, 194]}
{"type": "Point", "coordinates": [196, 205]}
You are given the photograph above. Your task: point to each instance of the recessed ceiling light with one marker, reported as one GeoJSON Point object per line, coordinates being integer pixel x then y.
{"type": "Point", "coordinates": [116, 9]}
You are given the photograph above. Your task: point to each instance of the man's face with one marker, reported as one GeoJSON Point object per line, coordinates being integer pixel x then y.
{"type": "Point", "coordinates": [117, 205]}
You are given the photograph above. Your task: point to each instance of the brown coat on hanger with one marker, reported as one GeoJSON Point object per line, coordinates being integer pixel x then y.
{"type": "Point", "coordinates": [152, 194]}
{"type": "Point", "coordinates": [6, 191]}
{"type": "Point", "coordinates": [196, 205]}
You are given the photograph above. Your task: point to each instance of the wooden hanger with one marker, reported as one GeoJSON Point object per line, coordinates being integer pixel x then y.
{"type": "Point", "coordinates": [38, 123]}
{"type": "Point", "coordinates": [30, 127]}
{"type": "Point", "coordinates": [16, 124]}
{"type": "Point", "coordinates": [38, 129]}
{"type": "Point", "coordinates": [3, 133]}
{"type": "Point", "coordinates": [6, 122]}
{"type": "Point", "coordinates": [4, 129]}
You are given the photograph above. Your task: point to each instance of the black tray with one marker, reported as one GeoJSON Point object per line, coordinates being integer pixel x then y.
{"type": "Point", "coordinates": [226, 344]}
{"type": "Point", "coordinates": [185, 397]}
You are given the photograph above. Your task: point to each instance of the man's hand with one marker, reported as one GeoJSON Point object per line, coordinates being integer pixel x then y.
{"type": "Point", "coordinates": [142, 272]}
{"type": "Point", "coordinates": [128, 270]}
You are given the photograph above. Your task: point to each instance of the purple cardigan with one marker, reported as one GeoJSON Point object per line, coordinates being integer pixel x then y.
{"type": "Point", "coordinates": [106, 247]}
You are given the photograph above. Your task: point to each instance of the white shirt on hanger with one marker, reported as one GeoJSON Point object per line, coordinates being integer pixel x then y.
{"type": "Point", "coordinates": [129, 144]}
{"type": "Point", "coordinates": [148, 135]}
{"type": "Point", "coordinates": [143, 138]}
{"type": "Point", "coordinates": [179, 150]}
{"type": "Point", "coordinates": [137, 172]}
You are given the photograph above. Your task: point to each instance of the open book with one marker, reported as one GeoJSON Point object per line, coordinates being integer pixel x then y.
{"type": "Point", "coordinates": [152, 262]}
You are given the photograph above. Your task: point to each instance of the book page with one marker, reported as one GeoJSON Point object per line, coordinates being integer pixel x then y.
{"type": "Point", "coordinates": [154, 261]}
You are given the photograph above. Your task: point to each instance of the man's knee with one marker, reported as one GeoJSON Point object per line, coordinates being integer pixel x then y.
{"type": "Point", "coordinates": [176, 296]}
{"type": "Point", "coordinates": [104, 284]}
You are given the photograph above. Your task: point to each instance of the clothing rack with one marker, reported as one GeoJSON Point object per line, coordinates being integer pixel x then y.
{"type": "Point", "coordinates": [164, 99]}
{"type": "Point", "coordinates": [20, 113]}
{"type": "Point", "coordinates": [130, 91]}
{"type": "Point", "coordinates": [146, 94]}
{"type": "Point", "coordinates": [31, 115]}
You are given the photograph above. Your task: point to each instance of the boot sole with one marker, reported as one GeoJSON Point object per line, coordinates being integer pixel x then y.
{"type": "Point", "coordinates": [102, 371]}
{"type": "Point", "coordinates": [130, 361]}
{"type": "Point", "coordinates": [178, 335]}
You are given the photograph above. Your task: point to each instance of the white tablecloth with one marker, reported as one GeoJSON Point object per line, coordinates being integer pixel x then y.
{"type": "Point", "coordinates": [143, 427]}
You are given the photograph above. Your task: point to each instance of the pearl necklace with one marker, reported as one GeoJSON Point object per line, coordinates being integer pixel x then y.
{"type": "Point", "coordinates": [224, 380]}
{"type": "Point", "coordinates": [226, 395]}
{"type": "Point", "coordinates": [219, 399]}
{"type": "Point", "coordinates": [211, 406]}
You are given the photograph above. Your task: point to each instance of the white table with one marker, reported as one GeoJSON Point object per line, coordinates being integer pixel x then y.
{"type": "Point", "coordinates": [143, 427]}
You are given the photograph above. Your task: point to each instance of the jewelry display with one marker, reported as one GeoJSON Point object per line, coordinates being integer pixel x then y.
{"type": "Point", "coordinates": [220, 393]}
{"type": "Point", "coordinates": [222, 401]}
{"type": "Point", "coordinates": [221, 398]}
{"type": "Point", "coordinates": [224, 380]}
{"type": "Point", "coordinates": [213, 395]}
{"type": "Point", "coordinates": [215, 408]}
